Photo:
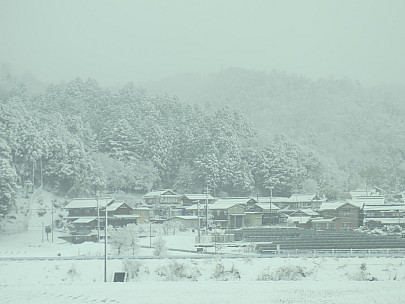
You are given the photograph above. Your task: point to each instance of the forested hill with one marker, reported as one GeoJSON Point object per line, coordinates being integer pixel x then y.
{"type": "Point", "coordinates": [79, 137]}
{"type": "Point", "coordinates": [362, 128]}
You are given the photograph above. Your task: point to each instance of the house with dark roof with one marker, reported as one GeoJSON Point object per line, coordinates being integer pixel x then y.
{"type": "Point", "coordinates": [299, 200]}
{"type": "Point", "coordinates": [193, 199]}
{"type": "Point", "coordinates": [230, 212]}
{"type": "Point", "coordinates": [338, 215]}
{"type": "Point", "coordinates": [87, 215]}
{"type": "Point", "coordinates": [378, 216]}
{"type": "Point", "coordinates": [162, 197]}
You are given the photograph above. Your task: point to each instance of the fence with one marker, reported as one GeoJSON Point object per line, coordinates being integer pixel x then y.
{"type": "Point", "coordinates": [379, 252]}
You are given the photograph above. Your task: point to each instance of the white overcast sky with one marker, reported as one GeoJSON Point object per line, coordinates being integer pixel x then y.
{"type": "Point", "coordinates": [119, 41]}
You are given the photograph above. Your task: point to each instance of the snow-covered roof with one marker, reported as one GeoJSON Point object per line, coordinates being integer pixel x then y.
{"type": "Point", "coordinates": [224, 205]}
{"type": "Point", "coordinates": [266, 206]}
{"type": "Point", "coordinates": [142, 208]}
{"type": "Point", "coordinates": [84, 220]}
{"type": "Point", "coordinates": [370, 200]}
{"type": "Point", "coordinates": [274, 199]}
{"type": "Point", "coordinates": [234, 200]}
{"type": "Point", "coordinates": [124, 216]}
{"type": "Point", "coordinates": [185, 217]}
{"type": "Point", "coordinates": [303, 198]}
{"type": "Point", "coordinates": [384, 208]}
{"type": "Point", "coordinates": [157, 193]}
{"type": "Point", "coordinates": [114, 206]}
{"type": "Point", "coordinates": [335, 205]}
{"type": "Point", "coordinates": [307, 212]}
{"type": "Point", "coordinates": [323, 220]}
{"type": "Point", "coordinates": [89, 203]}
{"type": "Point", "coordinates": [198, 196]}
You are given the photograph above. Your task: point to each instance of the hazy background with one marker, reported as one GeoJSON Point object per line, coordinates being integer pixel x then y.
{"type": "Point", "coordinates": [120, 41]}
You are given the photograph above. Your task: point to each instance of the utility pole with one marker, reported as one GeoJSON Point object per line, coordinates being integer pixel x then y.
{"type": "Point", "coordinates": [150, 234]}
{"type": "Point", "coordinates": [42, 178]}
{"type": "Point", "coordinates": [199, 224]}
{"type": "Point", "coordinates": [271, 201]}
{"type": "Point", "coordinates": [52, 216]}
{"type": "Point", "coordinates": [105, 243]}
{"type": "Point", "coordinates": [206, 207]}
{"type": "Point", "coordinates": [98, 218]}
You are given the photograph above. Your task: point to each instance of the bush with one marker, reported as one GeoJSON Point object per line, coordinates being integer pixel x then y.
{"type": "Point", "coordinates": [284, 273]}
{"type": "Point", "coordinates": [362, 274]}
{"type": "Point", "coordinates": [178, 271]}
{"type": "Point", "coordinates": [222, 274]}
{"type": "Point", "coordinates": [131, 267]}
{"type": "Point", "coordinates": [160, 246]}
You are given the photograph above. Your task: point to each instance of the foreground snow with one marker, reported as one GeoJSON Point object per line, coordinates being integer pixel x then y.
{"type": "Point", "coordinates": [208, 292]}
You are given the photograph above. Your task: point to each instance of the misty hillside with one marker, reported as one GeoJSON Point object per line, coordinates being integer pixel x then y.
{"type": "Point", "coordinates": [298, 136]}
{"type": "Point", "coordinates": [362, 128]}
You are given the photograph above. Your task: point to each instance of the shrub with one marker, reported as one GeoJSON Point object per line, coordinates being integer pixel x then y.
{"type": "Point", "coordinates": [284, 273]}
{"type": "Point", "coordinates": [222, 274]}
{"type": "Point", "coordinates": [178, 271]}
{"type": "Point", "coordinates": [160, 246]}
{"type": "Point", "coordinates": [131, 267]}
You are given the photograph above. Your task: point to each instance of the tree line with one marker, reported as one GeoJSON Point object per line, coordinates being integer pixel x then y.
{"type": "Point", "coordinates": [77, 137]}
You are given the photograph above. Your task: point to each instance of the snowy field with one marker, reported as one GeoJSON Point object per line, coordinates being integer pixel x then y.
{"type": "Point", "coordinates": [208, 292]}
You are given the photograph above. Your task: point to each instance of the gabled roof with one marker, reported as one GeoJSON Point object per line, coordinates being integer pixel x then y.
{"type": "Point", "coordinates": [197, 196]}
{"type": "Point", "coordinates": [185, 217]}
{"type": "Point", "coordinates": [158, 193]}
{"type": "Point", "coordinates": [335, 206]}
{"type": "Point", "coordinates": [323, 220]}
{"type": "Point", "coordinates": [370, 200]}
{"type": "Point", "coordinates": [309, 212]}
{"type": "Point", "coordinates": [126, 216]}
{"type": "Point", "coordinates": [235, 200]}
{"type": "Point", "coordinates": [228, 202]}
{"type": "Point", "coordinates": [388, 208]}
{"type": "Point", "coordinates": [84, 220]}
{"type": "Point", "coordinates": [266, 206]}
{"type": "Point", "coordinates": [274, 199]}
{"type": "Point", "coordinates": [304, 198]}
{"type": "Point", "coordinates": [225, 205]}
{"type": "Point", "coordinates": [78, 203]}
{"type": "Point", "coordinates": [115, 205]}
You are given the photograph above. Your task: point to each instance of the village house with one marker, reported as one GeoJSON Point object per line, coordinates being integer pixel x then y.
{"type": "Point", "coordinates": [164, 204]}
{"type": "Point", "coordinates": [86, 215]}
{"type": "Point", "coordinates": [144, 214]}
{"type": "Point", "coordinates": [269, 212]}
{"type": "Point", "coordinates": [230, 212]}
{"type": "Point", "coordinates": [377, 216]}
{"type": "Point", "coordinates": [338, 215]}
{"type": "Point", "coordinates": [193, 199]}
{"type": "Point", "coordinates": [297, 201]}
{"type": "Point", "coordinates": [302, 218]}
{"type": "Point", "coordinates": [162, 197]}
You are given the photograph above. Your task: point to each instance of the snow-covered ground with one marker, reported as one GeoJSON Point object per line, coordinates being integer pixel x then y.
{"type": "Point", "coordinates": [217, 278]}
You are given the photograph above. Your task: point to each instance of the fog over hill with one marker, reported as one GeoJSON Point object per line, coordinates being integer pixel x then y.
{"type": "Point", "coordinates": [355, 124]}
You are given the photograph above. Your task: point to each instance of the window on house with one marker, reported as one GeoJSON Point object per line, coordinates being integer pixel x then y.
{"type": "Point", "coordinates": [346, 225]}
